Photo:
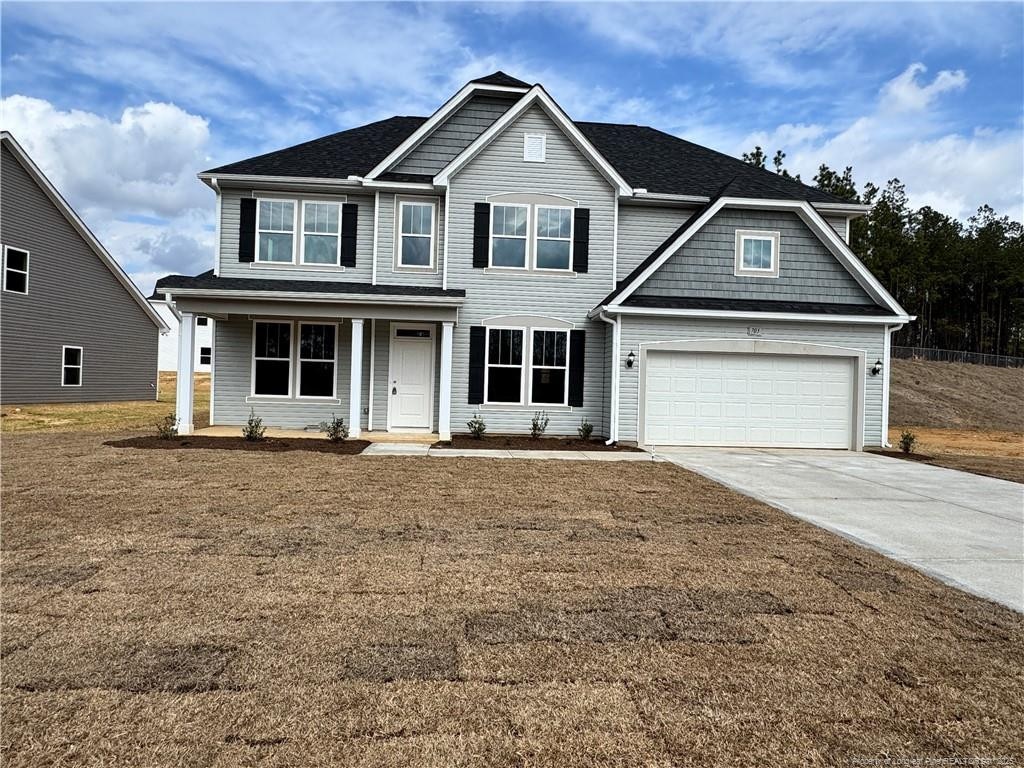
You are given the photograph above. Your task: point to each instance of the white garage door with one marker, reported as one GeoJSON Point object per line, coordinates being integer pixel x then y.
{"type": "Point", "coordinates": [705, 398]}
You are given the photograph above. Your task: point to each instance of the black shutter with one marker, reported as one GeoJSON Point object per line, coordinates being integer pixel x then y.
{"type": "Point", "coordinates": [349, 223]}
{"type": "Point", "coordinates": [581, 240]}
{"type": "Point", "coordinates": [477, 348]}
{"type": "Point", "coordinates": [247, 229]}
{"type": "Point", "coordinates": [481, 234]}
{"type": "Point", "coordinates": [577, 352]}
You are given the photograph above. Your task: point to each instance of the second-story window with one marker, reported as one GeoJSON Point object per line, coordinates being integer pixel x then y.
{"type": "Point", "coordinates": [554, 238]}
{"type": "Point", "coordinates": [275, 226]}
{"type": "Point", "coordinates": [321, 233]}
{"type": "Point", "coordinates": [416, 234]}
{"type": "Point", "coordinates": [509, 235]}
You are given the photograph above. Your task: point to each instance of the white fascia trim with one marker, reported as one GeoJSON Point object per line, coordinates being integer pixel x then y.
{"type": "Point", "coordinates": [536, 95]}
{"type": "Point", "coordinates": [398, 186]}
{"type": "Point", "coordinates": [245, 178]}
{"type": "Point", "coordinates": [75, 221]}
{"type": "Point", "coordinates": [810, 217]}
{"type": "Point", "coordinates": [333, 298]}
{"type": "Point", "coordinates": [728, 314]}
{"type": "Point", "coordinates": [443, 113]}
{"type": "Point", "coordinates": [852, 209]}
{"type": "Point", "coordinates": [641, 196]}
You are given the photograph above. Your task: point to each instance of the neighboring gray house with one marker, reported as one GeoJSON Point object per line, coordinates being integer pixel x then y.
{"type": "Point", "coordinates": [73, 326]}
{"type": "Point", "coordinates": [167, 359]}
{"type": "Point", "coordinates": [499, 258]}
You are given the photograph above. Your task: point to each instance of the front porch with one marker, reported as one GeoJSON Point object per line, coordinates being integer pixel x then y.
{"type": "Point", "coordinates": [385, 367]}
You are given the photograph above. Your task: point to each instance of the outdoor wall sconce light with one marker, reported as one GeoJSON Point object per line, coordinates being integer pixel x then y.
{"type": "Point", "coordinates": [876, 368]}
{"type": "Point", "coordinates": [630, 359]}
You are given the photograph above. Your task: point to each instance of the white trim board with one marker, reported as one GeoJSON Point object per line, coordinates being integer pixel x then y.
{"type": "Point", "coordinates": [536, 96]}
{"type": "Point", "coordinates": [808, 215]}
{"type": "Point", "coordinates": [76, 222]}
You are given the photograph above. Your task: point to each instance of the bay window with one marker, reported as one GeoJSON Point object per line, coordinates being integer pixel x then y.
{"type": "Point", "coordinates": [275, 228]}
{"type": "Point", "coordinates": [504, 365]}
{"type": "Point", "coordinates": [321, 233]}
{"type": "Point", "coordinates": [549, 380]}
{"type": "Point", "coordinates": [509, 235]}
{"type": "Point", "coordinates": [272, 359]}
{"type": "Point", "coordinates": [317, 360]}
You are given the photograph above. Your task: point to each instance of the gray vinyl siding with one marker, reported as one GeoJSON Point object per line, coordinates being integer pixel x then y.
{"type": "Point", "coordinates": [642, 229]}
{"type": "Point", "coordinates": [455, 134]}
{"type": "Point", "coordinates": [500, 168]}
{"type": "Point", "coordinates": [73, 299]}
{"type": "Point", "coordinates": [387, 274]}
{"type": "Point", "coordinates": [230, 266]}
{"type": "Point", "coordinates": [705, 265]}
{"type": "Point", "coordinates": [637, 331]}
{"type": "Point", "coordinates": [838, 223]}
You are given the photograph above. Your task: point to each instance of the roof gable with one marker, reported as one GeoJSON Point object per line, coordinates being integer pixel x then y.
{"type": "Point", "coordinates": [61, 205]}
{"type": "Point", "coordinates": [500, 78]}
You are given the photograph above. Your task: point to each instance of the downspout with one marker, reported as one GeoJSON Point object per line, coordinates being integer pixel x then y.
{"type": "Point", "coordinates": [886, 361]}
{"type": "Point", "coordinates": [613, 421]}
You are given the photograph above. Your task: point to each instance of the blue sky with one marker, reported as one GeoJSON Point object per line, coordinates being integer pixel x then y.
{"type": "Point", "coordinates": [122, 104]}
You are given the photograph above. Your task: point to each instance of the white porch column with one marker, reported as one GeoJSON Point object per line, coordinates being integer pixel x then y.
{"type": "Point", "coordinates": [444, 410]}
{"type": "Point", "coordinates": [186, 370]}
{"type": "Point", "coordinates": [355, 387]}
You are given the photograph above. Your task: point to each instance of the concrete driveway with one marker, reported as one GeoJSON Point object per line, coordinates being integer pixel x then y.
{"type": "Point", "coordinates": [964, 529]}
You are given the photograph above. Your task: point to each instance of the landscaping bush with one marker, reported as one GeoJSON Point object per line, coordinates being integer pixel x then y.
{"type": "Point", "coordinates": [585, 429]}
{"type": "Point", "coordinates": [168, 428]}
{"type": "Point", "coordinates": [476, 426]}
{"type": "Point", "coordinates": [335, 429]}
{"type": "Point", "coordinates": [539, 424]}
{"type": "Point", "coordinates": [253, 429]}
{"type": "Point", "coordinates": [908, 441]}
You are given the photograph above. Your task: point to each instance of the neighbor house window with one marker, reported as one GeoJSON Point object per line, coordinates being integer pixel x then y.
{"type": "Point", "coordinates": [317, 353]}
{"type": "Point", "coordinates": [509, 235]}
{"type": "Point", "coordinates": [554, 238]}
{"type": "Point", "coordinates": [504, 365]}
{"type": "Point", "coordinates": [15, 270]}
{"type": "Point", "coordinates": [275, 226]}
{"type": "Point", "coordinates": [757, 253]}
{"type": "Point", "coordinates": [416, 234]}
{"type": "Point", "coordinates": [205, 354]}
{"type": "Point", "coordinates": [321, 233]}
{"type": "Point", "coordinates": [71, 367]}
{"type": "Point", "coordinates": [272, 361]}
{"type": "Point", "coordinates": [549, 369]}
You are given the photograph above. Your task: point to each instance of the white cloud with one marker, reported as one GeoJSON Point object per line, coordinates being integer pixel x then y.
{"type": "Point", "coordinates": [905, 94]}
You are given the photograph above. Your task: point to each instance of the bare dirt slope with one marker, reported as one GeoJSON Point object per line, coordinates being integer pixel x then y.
{"type": "Point", "coordinates": [956, 396]}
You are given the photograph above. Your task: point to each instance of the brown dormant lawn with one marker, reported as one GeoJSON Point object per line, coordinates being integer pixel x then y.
{"type": "Point", "coordinates": [230, 608]}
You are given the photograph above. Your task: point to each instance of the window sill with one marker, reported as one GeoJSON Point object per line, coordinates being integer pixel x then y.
{"type": "Point", "coordinates": [524, 408]}
{"type": "Point", "coordinates": [763, 273]}
{"type": "Point", "coordinates": [526, 271]}
{"type": "Point", "coordinates": [293, 266]}
{"type": "Point", "coordinates": [291, 399]}
{"type": "Point", "coordinates": [432, 269]}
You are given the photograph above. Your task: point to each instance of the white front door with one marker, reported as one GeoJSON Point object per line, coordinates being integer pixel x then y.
{"type": "Point", "coordinates": [411, 379]}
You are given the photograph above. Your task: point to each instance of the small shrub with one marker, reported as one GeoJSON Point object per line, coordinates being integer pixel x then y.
{"type": "Point", "coordinates": [168, 428]}
{"type": "Point", "coordinates": [539, 424]}
{"type": "Point", "coordinates": [477, 427]}
{"type": "Point", "coordinates": [335, 429]}
{"type": "Point", "coordinates": [908, 441]}
{"type": "Point", "coordinates": [253, 429]}
{"type": "Point", "coordinates": [585, 429]}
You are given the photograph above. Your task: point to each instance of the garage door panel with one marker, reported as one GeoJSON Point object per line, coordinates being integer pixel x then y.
{"type": "Point", "coordinates": [767, 400]}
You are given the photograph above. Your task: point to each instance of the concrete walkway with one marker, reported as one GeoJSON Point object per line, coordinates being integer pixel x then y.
{"type": "Point", "coordinates": [395, 449]}
{"type": "Point", "coordinates": [964, 529]}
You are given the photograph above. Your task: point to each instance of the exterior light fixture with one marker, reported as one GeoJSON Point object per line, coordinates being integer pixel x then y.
{"type": "Point", "coordinates": [876, 368]}
{"type": "Point", "coordinates": [630, 359]}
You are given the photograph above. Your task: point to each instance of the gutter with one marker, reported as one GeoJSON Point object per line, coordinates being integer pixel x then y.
{"type": "Point", "coordinates": [613, 420]}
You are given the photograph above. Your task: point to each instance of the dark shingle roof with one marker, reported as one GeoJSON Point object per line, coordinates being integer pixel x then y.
{"type": "Point", "coordinates": [756, 305]}
{"type": "Point", "coordinates": [500, 78]}
{"type": "Point", "coordinates": [348, 153]}
{"type": "Point", "coordinates": [208, 281]}
{"type": "Point", "coordinates": [659, 162]}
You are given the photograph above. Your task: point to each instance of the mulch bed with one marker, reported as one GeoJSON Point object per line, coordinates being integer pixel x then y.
{"type": "Point", "coordinates": [901, 455]}
{"type": "Point", "coordinates": [271, 444]}
{"type": "Point", "coordinates": [527, 443]}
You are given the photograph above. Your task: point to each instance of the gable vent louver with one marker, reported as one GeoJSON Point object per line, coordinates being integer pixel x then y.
{"type": "Point", "coordinates": [534, 147]}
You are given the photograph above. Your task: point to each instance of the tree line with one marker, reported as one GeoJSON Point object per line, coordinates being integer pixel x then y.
{"type": "Point", "coordinates": [964, 281]}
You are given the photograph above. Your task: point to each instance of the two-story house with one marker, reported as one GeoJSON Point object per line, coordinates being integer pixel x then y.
{"type": "Point", "coordinates": [500, 258]}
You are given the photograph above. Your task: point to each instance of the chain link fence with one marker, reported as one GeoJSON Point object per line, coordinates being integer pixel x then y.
{"type": "Point", "coordinates": [953, 356]}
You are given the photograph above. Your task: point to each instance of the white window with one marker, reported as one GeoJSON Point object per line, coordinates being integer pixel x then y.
{"type": "Point", "coordinates": [549, 369]}
{"type": "Point", "coordinates": [416, 234]}
{"type": "Point", "coordinates": [15, 270]}
{"type": "Point", "coordinates": [504, 371]}
{"type": "Point", "coordinates": [321, 233]}
{"type": "Point", "coordinates": [554, 238]}
{"type": "Point", "coordinates": [317, 358]}
{"type": "Point", "coordinates": [535, 147]}
{"type": "Point", "coordinates": [71, 367]}
{"type": "Point", "coordinates": [205, 354]}
{"type": "Point", "coordinates": [272, 359]}
{"type": "Point", "coordinates": [509, 234]}
{"type": "Point", "coordinates": [275, 227]}
{"type": "Point", "coordinates": [757, 253]}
